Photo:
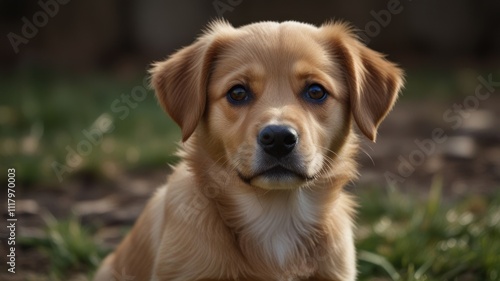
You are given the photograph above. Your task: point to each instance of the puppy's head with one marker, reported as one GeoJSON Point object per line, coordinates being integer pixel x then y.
{"type": "Point", "coordinates": [274, 101]}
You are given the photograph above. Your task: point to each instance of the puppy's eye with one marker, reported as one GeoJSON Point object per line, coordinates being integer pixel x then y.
{"type": "Point", "coordinates": [315, 93]}
{"type": "Point", "coordinates": [238, 95]}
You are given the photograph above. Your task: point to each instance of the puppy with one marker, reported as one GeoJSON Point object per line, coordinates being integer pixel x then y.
{"type": "Point", "coordinates": [266, 112]}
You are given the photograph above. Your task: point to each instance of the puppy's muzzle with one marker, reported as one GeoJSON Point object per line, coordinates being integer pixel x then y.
{"type": "Point", "coordinates": [277, 140]}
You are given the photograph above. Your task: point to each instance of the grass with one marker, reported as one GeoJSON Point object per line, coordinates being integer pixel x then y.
{"type": "Point", "coordinates": [43, 118]}
{"type": "Point", "coordinates": [400, 237]}
{"type": "Point", "coordinates": [69, 246]}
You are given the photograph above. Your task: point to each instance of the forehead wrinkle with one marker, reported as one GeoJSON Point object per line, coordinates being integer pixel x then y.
{"type": "Point", "coordinates": [303, 69]}
{"type": "Point", "coordinates": [248, 72]}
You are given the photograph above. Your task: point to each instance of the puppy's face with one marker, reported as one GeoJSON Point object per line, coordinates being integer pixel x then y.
{"type": "Point", "coordinates": [274, 101]}
{"type": "Point", "coordinates": [277, 103]}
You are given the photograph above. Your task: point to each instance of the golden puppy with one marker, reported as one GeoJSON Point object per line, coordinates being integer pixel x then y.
{"type": "Point", "coordinates": [266, 115]}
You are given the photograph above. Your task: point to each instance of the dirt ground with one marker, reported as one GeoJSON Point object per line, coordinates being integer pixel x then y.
{"type": "Point", "coordinates": [414, 145]}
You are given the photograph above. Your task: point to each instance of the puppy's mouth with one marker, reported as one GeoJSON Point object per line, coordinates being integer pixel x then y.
{"type": "Point", "coordinates": [277, 177]}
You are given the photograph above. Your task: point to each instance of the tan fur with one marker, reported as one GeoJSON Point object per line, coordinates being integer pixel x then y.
{"type": "Point", "coordinates": [207, 223]}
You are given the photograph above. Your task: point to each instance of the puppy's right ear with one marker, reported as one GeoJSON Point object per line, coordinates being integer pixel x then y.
{"type": "Point", "coordinates": [181, 81]}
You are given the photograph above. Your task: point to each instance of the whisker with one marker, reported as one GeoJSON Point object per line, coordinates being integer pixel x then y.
{"type": "Point", "coordinates": [369, 156]}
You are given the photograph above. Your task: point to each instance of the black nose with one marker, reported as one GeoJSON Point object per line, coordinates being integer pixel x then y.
{"type": "Point", "coordinates": [277, 140]}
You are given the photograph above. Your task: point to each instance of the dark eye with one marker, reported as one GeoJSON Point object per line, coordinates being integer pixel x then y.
{"type": "Point", "coordinates": [238, 95]}
{"type": "Point", "coordinates": [315, 93]}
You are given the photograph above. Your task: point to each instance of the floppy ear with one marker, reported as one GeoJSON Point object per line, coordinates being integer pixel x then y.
{"type": "Point", "coordinates": [372, 81]}
{"type": "Point", "coordinates": [181, 81]}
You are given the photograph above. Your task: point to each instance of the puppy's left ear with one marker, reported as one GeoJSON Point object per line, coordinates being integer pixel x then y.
{"type": "Point", "coordinates": [181, 81]}
{"type": "Point", "coordinates": [372, 81]}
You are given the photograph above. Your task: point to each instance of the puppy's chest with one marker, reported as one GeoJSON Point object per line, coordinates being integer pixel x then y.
{"type": "Point", "coordinates": [284, 256]}
{"type": "Point", "coordinates": [282, 238]}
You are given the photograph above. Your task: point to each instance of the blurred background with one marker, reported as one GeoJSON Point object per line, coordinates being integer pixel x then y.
{"type": "Point", "coordinates": [89, 142]}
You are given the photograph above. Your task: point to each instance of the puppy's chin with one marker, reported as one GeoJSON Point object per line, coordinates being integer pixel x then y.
{"type": "Point", "coordinates": [284, 182]}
